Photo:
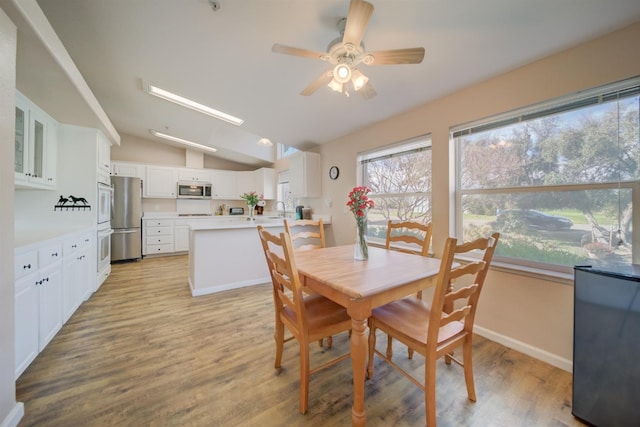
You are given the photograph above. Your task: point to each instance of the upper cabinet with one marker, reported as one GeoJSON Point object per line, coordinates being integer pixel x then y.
{"type": "Point", "coordinates": [200, 175]}
{"type": "Point", "coordinates": [223, 185]}
{"type": "Point", "coordinates": [104, 153]}
{"type": "Point", "coordinates": [264, 180]}
{"type": "Point", "coordinates": [35, 146]}
{"type": "Point", "coordinates": [160, 182]}
{"type": "Point", "coordinates": [134, 170]}
{"type": "Point", "coordinates": [305, 175]}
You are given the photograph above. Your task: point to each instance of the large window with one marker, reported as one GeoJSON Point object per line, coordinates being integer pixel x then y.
{"type": "Point", "coordinates": [559, 181]}
{"type": "Point", "coordinates": [400, 180]}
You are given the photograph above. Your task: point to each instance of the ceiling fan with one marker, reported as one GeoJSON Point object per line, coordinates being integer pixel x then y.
{"type": "Point", "coordinates": [347, 52]}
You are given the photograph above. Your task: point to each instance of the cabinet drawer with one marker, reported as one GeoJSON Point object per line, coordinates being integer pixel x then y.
{"type": "Point", "coordinates": [165, 248]}
{"type": "Point", "coordinates": [159, 231]}
{"type": "Point", "coordinates": [158, 223]}
{"type": "Point", "coordinates": [70, 246]}
{"type": "Point", "coordinates": [159, 240]}
{"type": "Point", "coordinates": [49, 254]}
{"type": "Point", "coordinates": [26, 263]}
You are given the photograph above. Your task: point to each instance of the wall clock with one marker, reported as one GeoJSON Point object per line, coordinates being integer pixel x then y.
{"type": "Point", "coordinates": [334, 172]}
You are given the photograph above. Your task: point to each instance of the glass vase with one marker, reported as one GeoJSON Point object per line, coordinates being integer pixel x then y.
{"type": "Point", "coordinates": [251, 208]}
{"type": "Point", "coordinates": [361, 250]}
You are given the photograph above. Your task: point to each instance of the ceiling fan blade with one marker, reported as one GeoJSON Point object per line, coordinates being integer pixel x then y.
{"type": "Point", "coordinates": [367, 91]}
{"type": "Point", "coordinates": [324, 79]}
{"type": "Point", "coordinates": [358, 17]}
{"type": "Point", "coordinates": [288, 50]}
{"type": "Point", "coordinates": [398, 56]}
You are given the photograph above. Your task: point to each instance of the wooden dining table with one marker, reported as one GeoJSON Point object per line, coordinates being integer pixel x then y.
{"type": "Point", "coordinates": [361, 286]}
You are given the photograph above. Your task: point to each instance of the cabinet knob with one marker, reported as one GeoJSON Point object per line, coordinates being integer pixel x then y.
{"type": "Point", "coordinates": [74, 246]}
{"type": "Point", "coordinates": [26, 266]}
{"type": "Point", "coordinates": [54, 254]}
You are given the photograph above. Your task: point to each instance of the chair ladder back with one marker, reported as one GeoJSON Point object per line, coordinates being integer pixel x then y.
{"type": "Point", "coordinates": [407, 232]}
{"type": "Point", "coordinates": [285, 274]}
{"type": "Point", "coordinates": [312, 231]}
{"type": "Point", "coordinates": [439, 294]}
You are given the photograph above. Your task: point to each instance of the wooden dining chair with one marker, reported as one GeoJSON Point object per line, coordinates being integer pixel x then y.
{"type": "Point", "coordinates": [308, 318]}
{"type": "Point", "coordinates": [306, 233]}
{"type": "Point", "coordinates": [429, 329]}
{"type": "Point", "coordinates": [414, 238]}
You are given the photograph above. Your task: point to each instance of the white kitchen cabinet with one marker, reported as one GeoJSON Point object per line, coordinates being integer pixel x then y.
{"type": "Point", "coordinates": [71, 282]}
{"type": "Point", "coordinates": [245, 183]}
{"type": "Point", "coordinates": [49, 303]}
{"type": "Point", "coordinates": [223, 185]}
{"type": "Point", "coordinates": [49, 283]}
{"type": "Point", "coordinates": [305, 176]}
{"type": "Point", "coordinates": [199, 175]}
{"type": "Point", "coordinates": [264, 180]}
{"type": "Point", "coordinates": [180, 238]}
{"type": "Point", "coordinates": [134, 170]}
{"type": "Point", "coordinates": [78, 275]}
{"type": "Point", "coordinates": [104, 153]}
{"type": "Point", "coordinates": [160, 182]}
{"type": "Point", "coordinates": [35, 146]}
{"type": "Point", "coordinates": [87, 268]}
{"type": "Point", "coordinates": [26, 322]}
{"type": "Point", "coordinates": [157, 236]}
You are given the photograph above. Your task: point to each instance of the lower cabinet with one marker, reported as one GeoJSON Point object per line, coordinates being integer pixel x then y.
{"type": "Point", "coordinates": [157, 236]}
{"type": "Point", "coordinates": [51, 283]}
{"type": "Point", "coordinates": [26, 323]}
{"type": "Point", "coordinates": [180, 238]}
{"type": "Point", "coordinates": [49, 303]}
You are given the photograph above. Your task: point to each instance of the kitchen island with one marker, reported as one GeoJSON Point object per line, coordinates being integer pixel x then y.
{"type": "Point", "coordinates": [226, 253]}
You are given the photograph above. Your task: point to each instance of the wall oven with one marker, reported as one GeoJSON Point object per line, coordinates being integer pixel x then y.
{"type": "Point", "coordinates": [105, 198]}
{"type": "Point", "coordinates": [194, 190]}
{"type": "Point", "coordinates": [104, 251]}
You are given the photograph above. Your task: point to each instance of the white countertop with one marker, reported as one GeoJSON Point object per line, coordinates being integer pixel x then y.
{"type": "Point", "coordinates": [225, 223]}
{"type": "Point", "coordinates": [27, 238]}
{"type": "Point", "coordinates": [200, 218]}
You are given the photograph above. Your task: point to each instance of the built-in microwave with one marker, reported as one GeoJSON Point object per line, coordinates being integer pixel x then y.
{"type": "Point", "coordinates": [194, 190]}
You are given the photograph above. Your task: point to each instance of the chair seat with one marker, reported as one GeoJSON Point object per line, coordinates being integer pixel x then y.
{"type": "Point", "coordinates": [394, 316]}
{"type": "Point", "coordinates": [322, 315]}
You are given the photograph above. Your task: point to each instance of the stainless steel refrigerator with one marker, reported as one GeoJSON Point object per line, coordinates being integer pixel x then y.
{"type": "Point", "coordinates": [126, 218]}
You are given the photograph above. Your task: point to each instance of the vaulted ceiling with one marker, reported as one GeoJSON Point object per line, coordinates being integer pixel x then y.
{"type": "Point", "coordinates": [223, 58]}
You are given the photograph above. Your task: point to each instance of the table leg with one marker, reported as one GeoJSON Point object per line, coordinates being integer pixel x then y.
{"type": "Point", "coordinates": [358, 362]}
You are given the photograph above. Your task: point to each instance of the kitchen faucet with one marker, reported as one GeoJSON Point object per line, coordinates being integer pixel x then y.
{"type": "Point", "coordinates": [284, 207]}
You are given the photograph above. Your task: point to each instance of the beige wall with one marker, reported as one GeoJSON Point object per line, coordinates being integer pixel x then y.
{"type": "Point", "coordinates": [141, 150]}
{"type": "Point", "coordinates": [9, 411]}
{"type": "Point", "coordinates": [522, 311]}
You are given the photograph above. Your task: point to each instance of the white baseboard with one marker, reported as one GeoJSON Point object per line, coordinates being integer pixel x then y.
{"type": "Point", "coordinates": [529, 350]}
{"type": "Point", "coordinates": [227, 286]}
{"type": "Point", "coordinates": [14, 417]}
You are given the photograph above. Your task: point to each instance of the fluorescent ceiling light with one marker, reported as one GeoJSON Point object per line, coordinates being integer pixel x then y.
{"type": "Point", "coordinates": [182, 141]}
{"type": "Point", "coordinates": [185, 102]}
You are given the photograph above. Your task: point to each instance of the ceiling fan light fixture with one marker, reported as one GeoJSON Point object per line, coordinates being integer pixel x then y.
{"type": "Point", "coordinates": [182, 141]}
{"type": "Point", "coordinates": [188, 103]}
{"type": "Point", "coordinates": [342, 73]}
{"type": "Point", "coordinates": [358, 79]}
{"type": "Point", "coordinates": [335, 85]}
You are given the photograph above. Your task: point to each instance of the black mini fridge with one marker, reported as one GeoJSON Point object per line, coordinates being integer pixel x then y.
{"type": "Point", "coordinates": [606, 346]}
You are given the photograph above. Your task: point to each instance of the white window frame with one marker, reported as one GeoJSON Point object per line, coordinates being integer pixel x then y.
{"type": "Point", "coordinates": [566, 103]}
{"type": "Point", "coordinates": [423, 142]}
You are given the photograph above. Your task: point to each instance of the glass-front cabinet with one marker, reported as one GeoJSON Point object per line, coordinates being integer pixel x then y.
{"type": "Point", "coordinates": [35, 146]}
{"type": "Point", "coordinates": [21, 152]}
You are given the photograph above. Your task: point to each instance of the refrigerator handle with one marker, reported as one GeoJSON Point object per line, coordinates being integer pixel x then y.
{"type": "Point", "coordinates": [133, 230]}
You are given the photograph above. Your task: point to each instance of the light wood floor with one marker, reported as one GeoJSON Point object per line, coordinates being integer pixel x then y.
{"type": "Point", "coordinates": [143, 352]}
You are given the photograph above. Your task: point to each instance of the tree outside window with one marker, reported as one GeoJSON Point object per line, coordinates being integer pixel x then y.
{"type": "Point", "coordinates": [559, 186]}
{"type": "Point", "coordinates": [400, 179]}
